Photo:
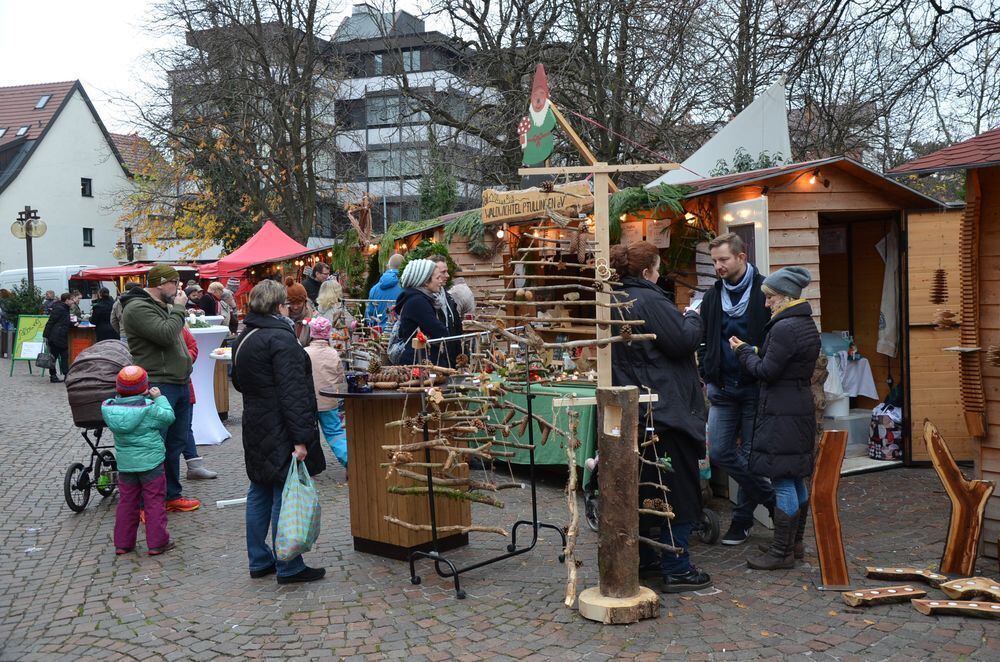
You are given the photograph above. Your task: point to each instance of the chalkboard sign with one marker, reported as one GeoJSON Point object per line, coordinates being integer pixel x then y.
{"type": "Point", "coordinates": [28, 341]}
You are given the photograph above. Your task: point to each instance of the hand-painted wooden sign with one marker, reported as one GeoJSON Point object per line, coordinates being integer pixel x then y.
{"type": "Point", "coordinates": [535, 131]}
{"type": "Point", "coordinates": [510, 206]}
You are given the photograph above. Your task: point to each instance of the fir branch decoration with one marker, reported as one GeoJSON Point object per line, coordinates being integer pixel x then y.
{"type": "Point", "coordinates": [396, 231]}
{"type": "Point", "coordinates": [637, 198]}
{"type": "Point", "coordinates": [469, 225]}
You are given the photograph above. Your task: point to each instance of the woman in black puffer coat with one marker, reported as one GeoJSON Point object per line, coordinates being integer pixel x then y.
{"type": "Point", "coordinates": [667, 367]}
{"type": "Point", "coordinates": [280, 419]}
{"type": "Point", "coordinates": [100, 316]}
{"type": "Point", "coordinates": [785, 429]}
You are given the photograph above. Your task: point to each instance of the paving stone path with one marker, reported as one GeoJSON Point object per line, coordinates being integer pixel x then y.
{"type": "Point", "coordinates": [64, 594]}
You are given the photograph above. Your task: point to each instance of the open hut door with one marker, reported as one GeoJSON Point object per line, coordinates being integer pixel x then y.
{"type": "Point", "coordinates": [934, 296]}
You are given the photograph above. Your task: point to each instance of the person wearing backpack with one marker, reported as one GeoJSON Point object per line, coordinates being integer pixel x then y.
{"type": "Point", "coordinates": [135, 417]}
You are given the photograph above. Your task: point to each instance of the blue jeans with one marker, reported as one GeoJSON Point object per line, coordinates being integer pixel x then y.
{"type": "Point", "coordinates": [790, 494]}
{"type": "Point", "coordinates": [333, 430]}
{"type": "Point", "coordinates": [676, 564]}
{"type": "Point", "coordinates": [263, 508]}
{"type": "Point", "coordinates": [175, 437]}
{"type": "Point", "coordinates": [731, 415]}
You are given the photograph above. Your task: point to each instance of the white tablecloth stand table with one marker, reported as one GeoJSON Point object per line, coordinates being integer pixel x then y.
{"type": "Point", "coordinates": [208, 429]}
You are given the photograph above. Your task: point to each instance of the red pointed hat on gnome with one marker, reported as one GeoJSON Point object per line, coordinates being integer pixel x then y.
{"type": "Point", "coordinates": [539, 89]}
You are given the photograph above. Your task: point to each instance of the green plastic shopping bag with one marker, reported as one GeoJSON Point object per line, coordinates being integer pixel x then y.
{"type": "Point", "coordinates": [298, 521]}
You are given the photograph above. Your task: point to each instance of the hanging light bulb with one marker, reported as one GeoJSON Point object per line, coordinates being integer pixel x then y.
{"type": "Point", "coordinates": [812, 179]}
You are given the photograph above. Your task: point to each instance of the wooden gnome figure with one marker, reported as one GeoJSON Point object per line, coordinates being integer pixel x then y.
{"type": "Point", "coordinates": [536, 130]}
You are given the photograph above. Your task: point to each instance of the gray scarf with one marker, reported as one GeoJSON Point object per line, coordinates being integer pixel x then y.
{"type": "Point", "coordinates": [739, 308]}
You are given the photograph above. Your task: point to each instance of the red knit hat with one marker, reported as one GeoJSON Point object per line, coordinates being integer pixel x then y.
{"type": "Point", "coordinates": [132, 380]}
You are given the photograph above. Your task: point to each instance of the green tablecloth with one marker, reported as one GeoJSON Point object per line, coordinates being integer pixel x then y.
{"type": "Point", "coordinates": [554, 450]}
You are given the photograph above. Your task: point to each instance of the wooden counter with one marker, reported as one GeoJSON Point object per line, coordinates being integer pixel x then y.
{"type": "Point", "coordinates": [80, 338]}
{"type": "Point", "coordinates": [370, 501]}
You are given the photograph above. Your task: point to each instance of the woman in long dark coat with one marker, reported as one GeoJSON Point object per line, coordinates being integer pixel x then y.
{"type": "Point", "coordinates": [667, 367]}
{"type": "Point", "coordinates": [100, 316]}
{"type": "Point", "coordinates": [785, 430]}
{"type": "Point", "coordinates": [56, 334]}
{"type": "Point", "coordinates": [280, 419]}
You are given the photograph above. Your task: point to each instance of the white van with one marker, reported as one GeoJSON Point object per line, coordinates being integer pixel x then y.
{"type": "Point", "coordinates": [59, 279]}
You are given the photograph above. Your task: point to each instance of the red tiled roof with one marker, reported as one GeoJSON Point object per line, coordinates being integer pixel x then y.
{"type": "Point", "coordinates": [17, 108]}
{"type": "Point", "coordinates": [136, 151]}
{"type": "Point", "coordinates": [983, 150]}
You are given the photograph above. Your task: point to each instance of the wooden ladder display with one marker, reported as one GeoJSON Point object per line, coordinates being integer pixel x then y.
{"type": "Point", "coordinates": [968, 506]}
{"type": "Point", "coordinates": [825, 511]}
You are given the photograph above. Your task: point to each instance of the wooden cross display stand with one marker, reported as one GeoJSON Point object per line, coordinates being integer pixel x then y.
{"type": "Point", "coordinates": [618, 598]}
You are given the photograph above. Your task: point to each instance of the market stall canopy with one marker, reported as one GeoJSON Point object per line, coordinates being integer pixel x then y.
{"type": "Point", "coordinates": [270, 243]}
{"type": "Point", "coordinates": [126, 271]}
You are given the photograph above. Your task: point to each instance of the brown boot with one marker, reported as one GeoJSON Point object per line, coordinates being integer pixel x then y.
{"type": "Point", "coordinates": [798, 547]}
{"type": "Point", "coordinates": [779, 555]}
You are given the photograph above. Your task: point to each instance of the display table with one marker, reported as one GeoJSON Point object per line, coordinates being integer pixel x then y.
{"type": "Point", "coordinates": [370, 501]}
{"type": "Point", "coordinates": [208, 429]}
{"type": "Point", "coordinates": [80, 338]}
{"type": "Point", "coordinates": [221, 383]}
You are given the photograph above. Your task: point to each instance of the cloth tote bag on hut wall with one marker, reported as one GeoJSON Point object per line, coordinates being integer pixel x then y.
{"type": "Point", "coordinates": [298, 520]}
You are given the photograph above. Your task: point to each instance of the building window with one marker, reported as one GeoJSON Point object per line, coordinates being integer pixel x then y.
{"type": "Point", "coordinates": [86, 188]}
{"type": "Point", "coordinates": [23, 130]}
{"type": "Point", "coordinates": [42, 101]}
{"type": "Point", "coordinates": [378, 64]}
{"type": "Point", "coordinates": [88, 236]}
{"type": "Point", "coordinates": [411, 61]}
{"type": "Point", "coordinates": [391, 110]}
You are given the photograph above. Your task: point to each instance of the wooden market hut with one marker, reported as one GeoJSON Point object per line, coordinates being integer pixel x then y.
{"type": "Point", "coordinates": [828, 215]}
{"type": "Point", "coordinates": [978, 235]}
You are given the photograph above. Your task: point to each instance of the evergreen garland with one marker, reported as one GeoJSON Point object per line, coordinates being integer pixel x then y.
{"type": "Point", "coordinates": [636, 198]}
{"type": "Point", "coordinates": [469, 225]}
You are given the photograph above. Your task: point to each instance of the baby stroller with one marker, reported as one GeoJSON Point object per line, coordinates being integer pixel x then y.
{"type": "Point", "coordinates": [91, 381]}
{"type": "Point", "coordinates": [707, 528]}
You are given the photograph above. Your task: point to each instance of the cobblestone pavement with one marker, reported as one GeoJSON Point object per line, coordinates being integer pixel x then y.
{"type": "Point", "coordinates": [66, 596]}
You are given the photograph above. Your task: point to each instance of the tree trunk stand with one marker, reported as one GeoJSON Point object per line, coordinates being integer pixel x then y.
{"type": "Point", "coordinates": [619, 598]}
{"type": "Point", "coordinates": [825, 512]}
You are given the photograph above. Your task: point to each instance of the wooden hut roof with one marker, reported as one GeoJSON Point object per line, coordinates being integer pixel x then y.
{"type": "Point", "coordinates": [771, 178]}
{"type": "Point", "coordinates": [978, 152]}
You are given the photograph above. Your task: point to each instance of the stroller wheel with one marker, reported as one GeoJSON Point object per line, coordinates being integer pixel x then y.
{"type": "Point", "coordinates": [708, 527]}
{"type": "Point", "coordinates": [76, 487]}
{"type": "Point", "coordinates": [591, 504]}
{"type": "Point", "coordinates": [106, 473]}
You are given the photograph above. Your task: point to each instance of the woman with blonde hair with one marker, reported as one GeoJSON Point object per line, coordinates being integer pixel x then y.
{"type": "Point", "coordinates": [330, 304]}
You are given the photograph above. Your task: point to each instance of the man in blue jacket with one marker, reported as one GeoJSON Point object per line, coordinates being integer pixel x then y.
{"type": "Point", "coordinates": [733, 307]}
{"type": "Point", "coordinates": [384, 293]}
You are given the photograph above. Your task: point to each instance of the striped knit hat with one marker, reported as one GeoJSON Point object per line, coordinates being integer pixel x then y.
{"type": "Point", "coordinates": [132, 380]}
{"type": "Point", "coordinates": [417, 272]}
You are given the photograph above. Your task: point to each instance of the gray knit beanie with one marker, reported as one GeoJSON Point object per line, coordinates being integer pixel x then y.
{"type": "Point", "coordinates": [789, 281]}
{"type": "Point", "coordinates": [417, 272]}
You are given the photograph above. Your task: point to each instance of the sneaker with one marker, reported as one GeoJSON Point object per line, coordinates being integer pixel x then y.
{"type": "Point", "coordinates": [156, 551]}
{"type": "Point", "coordinates": [182, 505]}
{"type": "Point", "coordinates": [737, 534]}
{"type": "Point", "coordinates": [263, 572]}
{"type": "Point", "coordinates": [305, 575]}
{"type": "Point", "coordinates": [692, 580]}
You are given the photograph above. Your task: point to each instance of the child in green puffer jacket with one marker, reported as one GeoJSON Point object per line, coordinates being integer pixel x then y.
{"type": "Point", "coordinates": [136, 421]}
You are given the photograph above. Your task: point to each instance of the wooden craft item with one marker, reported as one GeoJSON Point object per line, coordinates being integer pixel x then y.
{"type": "Point", "coordinates": [973, 588]}
{"type": "Point", "coordinates": [939, 287]}
{"type": "Point", "coordinates": [825, 512]}
{"type": "Point", "coordinates": [870, 597]}
{"type": "Point", "coordinates": [970, 366]}
{"type": "Point", "coordinates": [957, 608]}
{"type": "Point", "coordinates": [907, 574]}
{"type": "Point", "coordinates": [968, 506]}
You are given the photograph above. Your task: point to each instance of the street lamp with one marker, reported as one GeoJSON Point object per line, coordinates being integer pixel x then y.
{"type": "Point", "coordinates": [128, 250]}
{"type": "Point", "coordinates": [29, 226]}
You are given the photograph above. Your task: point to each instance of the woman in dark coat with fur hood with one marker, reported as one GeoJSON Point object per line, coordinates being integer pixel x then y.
{"type": "Point", "coordinates": [785, 430]}
{"type": "Point", "coordinates": [667, 367]}
{"type": "Point", "coordinates": [280, 420]}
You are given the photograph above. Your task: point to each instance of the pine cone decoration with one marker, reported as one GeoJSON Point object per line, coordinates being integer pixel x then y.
{"type": "Point", "coordinates": [945, 319]}
{"type": "Point", "coordinates": [374, 365]}
{"type": "Point", "coordinates": [939, 287]}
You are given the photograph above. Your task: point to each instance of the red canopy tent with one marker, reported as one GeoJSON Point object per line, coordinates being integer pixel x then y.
{"type": "Point", "coordinates": [127, 271]}
{"type": "Point", "coordinates": [268, 244]}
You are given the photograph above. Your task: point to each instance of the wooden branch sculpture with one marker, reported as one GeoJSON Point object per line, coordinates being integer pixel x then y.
{"type": "Point", "coordinates": [825, 511]}
{"type": "Point", "coordinates": [968, 506]}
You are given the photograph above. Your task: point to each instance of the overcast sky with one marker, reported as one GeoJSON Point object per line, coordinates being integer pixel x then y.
{"type": "Point", "coordinates": [101, 43]}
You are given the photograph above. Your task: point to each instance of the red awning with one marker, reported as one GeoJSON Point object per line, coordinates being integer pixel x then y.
{"type": "Point", "coordinates": [270, 243]}
{"type": "Point", "coordinates": [125, 271]}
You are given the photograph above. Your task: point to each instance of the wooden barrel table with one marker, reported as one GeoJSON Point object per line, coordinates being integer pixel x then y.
{"type": "Point", "coordinates": [370, 501]}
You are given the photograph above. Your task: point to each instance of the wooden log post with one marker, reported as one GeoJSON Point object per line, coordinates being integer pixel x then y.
{"type": "Point", "coordinates": [619, 598]}
{"type": "Point", "coordinates": [825, 512]}
{"type": "Point", "coordinates": [968, 506]}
